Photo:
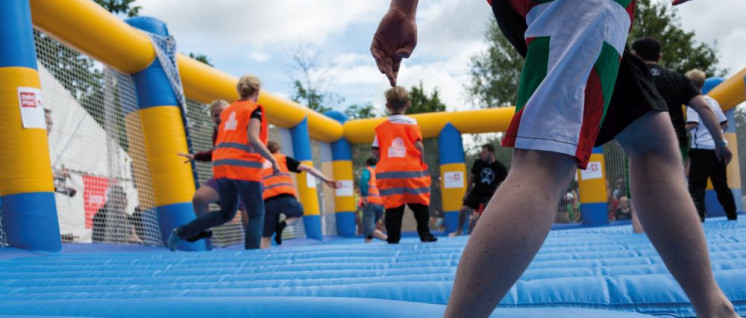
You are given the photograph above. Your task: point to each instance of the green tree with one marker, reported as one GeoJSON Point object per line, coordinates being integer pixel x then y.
{"type": "Point", "coordinates": [363, 111]}
{"type": "Point", "coordinates": [495, 72]}
{"type": "Point", "coordinates": [120, 6]}
{"type": "Point", "coordinates": [201, 57]}
{"type": "Point", "coordinates": [309, 89]}
{"type": "Point", "coordinates": [421, 102]}
{"type": "Point", "coordinates": [681, 52]}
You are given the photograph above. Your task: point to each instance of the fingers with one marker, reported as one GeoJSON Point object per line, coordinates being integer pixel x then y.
{"type": "Point", "coordinates": [378, 55]}
{"type": "Point", "coordinates": [386, 64]}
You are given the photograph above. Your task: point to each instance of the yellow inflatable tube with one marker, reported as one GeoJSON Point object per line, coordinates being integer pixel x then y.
{"type": "Point", "coordinates": [205, 84]}
{"type": "Point", "coordinates": [731, 92]}
{"type": "Point", "coordinates": [91, 29]}
{"type": "Point", "coordinates": [467, 122]}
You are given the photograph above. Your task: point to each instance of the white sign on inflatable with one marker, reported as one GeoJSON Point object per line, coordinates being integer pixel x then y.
{"type": "Point", "coordinates": [345, 188]}
{"type": "Point", "coordinates": [453, 179]}
{"type": "Point", "coordinates": [593, 171]}
{"type": "Point", "coordinates": [32, 110]}
{"type": "Point", "coordinates": [310, 180]}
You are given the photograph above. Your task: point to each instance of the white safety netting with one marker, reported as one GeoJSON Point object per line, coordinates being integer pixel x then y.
{"type": "Point", "coordinates": [91, 147]}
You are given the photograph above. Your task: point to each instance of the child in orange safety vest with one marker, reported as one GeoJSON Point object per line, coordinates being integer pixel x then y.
{"type": "Point", "coordinates": [280, 195]}
{"type": "Point", "coordinates": [237, 165]}
{"type": "Point", "coordinates": [402, 177]}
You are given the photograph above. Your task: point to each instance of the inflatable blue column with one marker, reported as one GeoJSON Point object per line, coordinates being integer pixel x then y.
{"type": "Point", "coordinates": [594, 207]}
{"type": "Point", "coordinates": [452, 175]}
{"type": "Point", "coordinates": [306, 183]}
{"type": "Point", "coordinates": [712, 205]}
{"type": "Point", "coordinates": [160, 136]}
{"type": "Point", "coordinates": [344, 198]}
{"type": "Point", "coordinates": [26, 187]}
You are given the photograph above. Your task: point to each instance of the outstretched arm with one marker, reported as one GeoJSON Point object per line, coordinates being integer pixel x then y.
{"type": "Point", "coordinates": [395, 38]}
{"type": "Point", "coordinates": [329, 182]}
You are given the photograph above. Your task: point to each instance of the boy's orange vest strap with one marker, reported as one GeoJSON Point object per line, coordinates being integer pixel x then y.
{"type": "Point", "coordinates": [233, 156]}
{"type": "Point", "coordinates": [278, 183]}
{"type": "Point", "coordinates": [373, 194]}
{"type": "Point", "coordinates": [401, 176]}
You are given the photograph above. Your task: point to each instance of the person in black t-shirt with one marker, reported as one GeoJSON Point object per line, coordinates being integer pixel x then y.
{"type": "Point", "coordinates": [486, 175]}
{"type": "Point", "coordinates": [676, 90]}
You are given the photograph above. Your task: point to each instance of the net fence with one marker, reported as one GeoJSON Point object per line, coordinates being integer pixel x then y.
{"type": "Point", "coordinates": [3, 237]}
{"type": "Point", "coordinates": [740, 122]}
{"type": "Point", "coordinates": [92, 144]}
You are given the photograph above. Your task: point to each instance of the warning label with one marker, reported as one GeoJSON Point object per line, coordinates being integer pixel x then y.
{"type": "Point", "coordinates": [32, 110]}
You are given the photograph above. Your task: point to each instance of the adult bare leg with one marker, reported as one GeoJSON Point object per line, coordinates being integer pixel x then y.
{"type": "Point", "coordinates": [666, 211]}
{"type": "Point", "coordinates": [512, 229]}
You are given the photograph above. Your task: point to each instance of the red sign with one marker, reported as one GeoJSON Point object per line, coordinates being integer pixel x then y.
{"type": "Point", "coordinates": [28, 99]}
{"type": "Point", "coordinates": [94, 196]}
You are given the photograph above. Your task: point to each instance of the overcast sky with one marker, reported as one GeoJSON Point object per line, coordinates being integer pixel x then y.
{"type": "Point", "coordinates": [259, 37]}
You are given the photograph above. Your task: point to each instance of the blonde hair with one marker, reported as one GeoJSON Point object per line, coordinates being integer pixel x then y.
{"type": "Point", "coordinates": [248, 85]}
{"type": "Point", "coordinates": [697, 77]}
{"type": "Point", "coordinates": [397, 97]}
{"type": "Point", "coordinates": [273, 146]}
{"type": "Point", "coordinates": [218, 103]}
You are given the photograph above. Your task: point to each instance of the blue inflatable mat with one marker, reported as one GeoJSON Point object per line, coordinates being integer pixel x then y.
{"type": "Point", "coordinates": [263, 307]}
{"type": "Point", "coordinates": [580, 269]}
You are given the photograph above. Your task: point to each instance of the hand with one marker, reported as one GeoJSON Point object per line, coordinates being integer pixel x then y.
{"type": "Point", "coordinates": [189, 156]}
{"type": "Point", "coordinates": [332, 184]}
{"type": "Point", "coordinates": [393, 41]}
{"type": "Point", "coordinates": [723, 154]}
{"type": "Point", "coordinates": [275, 167]}
{"type": "Point", "coordinates": [364, 201]}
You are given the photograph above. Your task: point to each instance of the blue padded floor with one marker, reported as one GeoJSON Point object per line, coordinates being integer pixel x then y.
{"type": "Point", "coordinates": [599, 272]}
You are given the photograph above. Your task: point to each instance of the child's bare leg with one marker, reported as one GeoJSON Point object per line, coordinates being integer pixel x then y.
{"type": "Point", "coordinates": [666, 211]}
{"type": "Point", "coordinates": [510, 232]}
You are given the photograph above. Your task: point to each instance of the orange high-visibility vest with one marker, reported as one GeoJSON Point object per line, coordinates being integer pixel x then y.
{"type": "Point", "coordinates": [401, 176]}
{"type": "Point", "coordinates": [280, 182]}
{"type": "Point", "coordinates": [373, 194]}
{"type": "Point", "coordinates": [233, 157]}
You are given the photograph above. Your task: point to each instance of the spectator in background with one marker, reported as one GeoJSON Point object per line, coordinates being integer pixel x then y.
{"type": "Point", "coordinates": [111, 224]}
{"type": "Point", "coordinates": [704, 161]}
{"type": "Point", "coordinates": [624, 210]}
{"type": "Point", "coordinates": [61, 176]}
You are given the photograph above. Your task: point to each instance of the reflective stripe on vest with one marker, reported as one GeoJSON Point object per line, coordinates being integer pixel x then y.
{"type": "Point", "coordinates": [373, 194]}
{"type": "Point", "coordinates": [278, 183]}
{"type": "Point", "coordinates": [233, 157]}
{"type": "Point", "coordinates": [238, 163]}
{"type": "Point", "coordinates": [404, 190]}
{"type": "Point", "coordinates": [401, 176]}
{"type": "Point", "coordinates": [235, 145]}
